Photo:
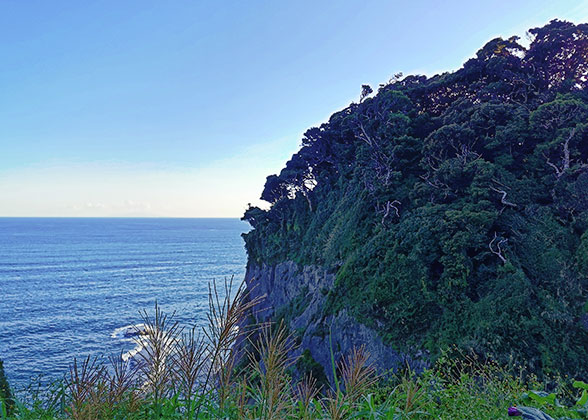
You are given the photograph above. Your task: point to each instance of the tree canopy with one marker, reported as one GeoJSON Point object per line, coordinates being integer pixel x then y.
{"type": "Point", "coordinates": [453, 209]}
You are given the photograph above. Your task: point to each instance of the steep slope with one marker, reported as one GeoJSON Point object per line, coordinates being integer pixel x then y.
{"type": "Point", "coordinates": [439, 211]}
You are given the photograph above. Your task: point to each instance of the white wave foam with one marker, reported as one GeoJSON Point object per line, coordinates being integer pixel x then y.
{"type": "Point", "coordinates": [128, 331]}
{"type": "Point", "coordinates": [135, 333]}
{"type": "Point", "coordinates": [130, 355]}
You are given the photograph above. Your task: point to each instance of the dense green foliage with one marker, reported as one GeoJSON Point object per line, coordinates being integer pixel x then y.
{"type": "Point", "coordinates": [453, 209]}
{"type": "Point", "coordinates": [456, 389]}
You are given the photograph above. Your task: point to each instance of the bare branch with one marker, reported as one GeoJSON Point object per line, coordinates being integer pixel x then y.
{"type": "Point", "coordinates": [566, 150]}
{"type": "Point", "coordinates": [391, 205]}
{"type": "Point", "coordinates": [364, 136]}
{"type": "Point", "coordinates": [498, 250]}
{"type": "Point", "coordinates": [503, 198]}
{"type": "Point", "coordinates": [435, 183]}
{"type": "Point", "coordinates": [566, 156]}
{"type": "Point", "coordinates": [558, 172]}
{"type": "Point", "coordinates": [426, 179]}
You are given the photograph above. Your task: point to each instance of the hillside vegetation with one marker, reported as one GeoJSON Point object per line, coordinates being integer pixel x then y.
{"type": "Point", "coordinates": [453, 209]}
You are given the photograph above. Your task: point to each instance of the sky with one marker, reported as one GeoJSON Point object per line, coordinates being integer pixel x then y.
{"type": "Point", "coordinates": [182, 108]}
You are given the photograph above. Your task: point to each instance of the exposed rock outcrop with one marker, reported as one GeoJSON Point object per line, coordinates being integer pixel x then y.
{"type": "Point", "coordinates": [298, 296]}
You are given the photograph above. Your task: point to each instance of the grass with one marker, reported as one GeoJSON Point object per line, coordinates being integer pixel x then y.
{"type": "Point", "coordinates": [192, 375]}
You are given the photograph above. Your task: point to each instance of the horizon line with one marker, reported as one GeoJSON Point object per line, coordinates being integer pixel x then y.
{"type": "Point", "coordinates": [119, 217]}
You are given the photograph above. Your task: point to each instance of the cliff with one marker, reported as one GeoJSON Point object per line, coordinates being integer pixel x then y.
{"type": "Point", "coordinates": [297, 295]}
{"type": "Point", "coordinates": [441, 211]}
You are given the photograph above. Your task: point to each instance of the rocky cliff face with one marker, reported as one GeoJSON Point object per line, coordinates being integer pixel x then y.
{"type": "Point", "coordinates": [298, 296]}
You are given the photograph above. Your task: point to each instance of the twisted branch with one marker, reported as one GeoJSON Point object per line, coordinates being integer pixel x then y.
{"type": "Point", "coordinates": [498, 250]}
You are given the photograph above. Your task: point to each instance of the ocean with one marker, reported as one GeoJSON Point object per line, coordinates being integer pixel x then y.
{"type": "Point", "coordinates": [70, 286]}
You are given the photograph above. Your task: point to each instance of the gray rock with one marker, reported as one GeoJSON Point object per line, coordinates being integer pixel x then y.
{"type": "Point", "coordinates": [301, 291]}
{"type": "Point", "coordinates": [530, 413]}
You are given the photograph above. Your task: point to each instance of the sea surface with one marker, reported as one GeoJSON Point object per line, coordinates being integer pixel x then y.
{"type": "Point", "coordinates": [70, 287]}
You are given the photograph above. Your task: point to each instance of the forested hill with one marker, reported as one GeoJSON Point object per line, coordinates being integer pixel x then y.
{"type": "Point", "coordinates": [452, 209]}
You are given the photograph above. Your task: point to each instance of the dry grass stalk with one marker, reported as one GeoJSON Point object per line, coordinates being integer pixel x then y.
{"type": "Point", "coordinates": [224, 324]}
{"type": "Point", "coordinates": [272, 394]}
{"type": "Point", "coordinates": [225, 385]}
{"type": "Point", "coordinates": [337, 406]}
{"type": "Point", "coordinates": [415, 393]}
{"type": "Point", "coordinates": [242, 397]}
{"type": "Point", "coordinates": [306, 391]}
{"type": "Point", "coordinates": [189, 358]}
{"type": "Point", "coordinates": [82, 386]}
{"type": "Point", "coordinates": [223, 330]}
{"type": "Point", "coordinates": [158, 340]}
{"type": "Point", "coordinates": [121, 382]}
{"type": "Point", "coordinates": [190, 365]}
{"type": "Point", "coordinates": [357, 374]}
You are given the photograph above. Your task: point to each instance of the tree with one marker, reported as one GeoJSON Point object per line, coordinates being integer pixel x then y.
{"type": "Point", "coordinates": [561, 126]}
{"type": "Point", "coordinates": [559, 53]}
{"type": "Point", "coordinates": [366, 90]}
{"type": "Point", "coordinates": [274, 190]}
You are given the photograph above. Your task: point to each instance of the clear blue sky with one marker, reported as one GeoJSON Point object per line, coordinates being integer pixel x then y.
{"type": "Point", "coordinates": [181, 108]}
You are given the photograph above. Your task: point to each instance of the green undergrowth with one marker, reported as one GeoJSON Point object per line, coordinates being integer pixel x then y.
{"type": "Point", "coordinates": [427, 396]}
{"type": "Point", "coordinates": [455, 388]}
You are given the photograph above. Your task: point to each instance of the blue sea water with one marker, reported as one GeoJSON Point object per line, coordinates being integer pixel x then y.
{"type": "Point", "coordinates": [68, 285]}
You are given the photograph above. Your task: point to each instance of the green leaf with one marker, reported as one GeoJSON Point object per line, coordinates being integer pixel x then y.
{"type": "Point", "coordinates": [583, 399]}
{"type": "Point", "coordinates": [333, 364]}
{"type": "Point", "coordinates": [541, 397]}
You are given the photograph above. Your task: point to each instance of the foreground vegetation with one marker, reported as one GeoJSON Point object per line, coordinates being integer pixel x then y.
{"type": "Point", "coordinates": [208, 374]}
{"type": "Point", "coordinates": [447, 392]}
